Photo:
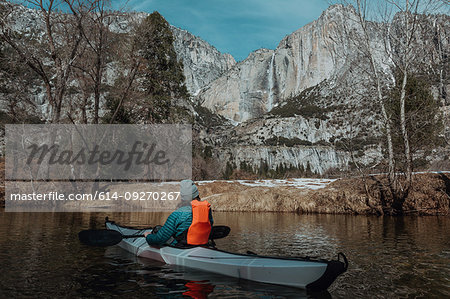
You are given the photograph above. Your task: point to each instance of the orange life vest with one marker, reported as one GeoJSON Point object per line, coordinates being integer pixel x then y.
{"type": "Point", "coordinates": [198, 232]}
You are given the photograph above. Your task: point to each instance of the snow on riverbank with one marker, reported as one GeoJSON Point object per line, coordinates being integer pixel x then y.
{"type": "Point", "coordinates": [299, 183]}
{"type": "Point", "coordinates": [304, 183]}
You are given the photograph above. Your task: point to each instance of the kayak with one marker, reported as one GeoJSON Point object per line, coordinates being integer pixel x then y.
{"type": "Point", "coordinates": [302, 273]}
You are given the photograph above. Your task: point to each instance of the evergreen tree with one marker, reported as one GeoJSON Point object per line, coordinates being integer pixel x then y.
{"type": "Point", "coordinates": [163, 75]}
{"type": "Point", "coordinates": [228, 171]}
{"type": "Point", "coordinates": [308, 171]}
{"type": "Point", "coordinates": [423, 118]}
{"type": "Point", "coordinates": [263, 168]}
{"type": "Point", "coordinates": [124, 116]}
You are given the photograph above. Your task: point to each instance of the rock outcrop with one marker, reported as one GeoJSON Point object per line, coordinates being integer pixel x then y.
{"type": "Point", "coordinates": [202, 62]}
{"type": "Point", "coordinates": [266, 77]}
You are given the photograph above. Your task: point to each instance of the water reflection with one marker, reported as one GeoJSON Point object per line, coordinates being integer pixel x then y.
{"type": "Point", "coordinates": [389, 257]}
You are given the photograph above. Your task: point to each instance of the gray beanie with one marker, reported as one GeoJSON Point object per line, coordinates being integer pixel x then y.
{"type": "Point", "coordinates": [188, 190]}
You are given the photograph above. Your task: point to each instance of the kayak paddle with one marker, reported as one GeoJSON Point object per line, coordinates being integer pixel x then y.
{"type": "Point", "coordinates": [107, 237]}
{"type": "Point", "coordinates": [219, 232]}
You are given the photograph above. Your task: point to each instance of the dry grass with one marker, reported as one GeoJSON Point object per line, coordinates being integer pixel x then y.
{"type": "Point", "coordinates": [429, 195]}
{"type": "Point", "coordinates": [232, 196]}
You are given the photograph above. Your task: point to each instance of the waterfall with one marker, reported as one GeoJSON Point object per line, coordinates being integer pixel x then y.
{"type": "Point", "coordinates": [270, 84]}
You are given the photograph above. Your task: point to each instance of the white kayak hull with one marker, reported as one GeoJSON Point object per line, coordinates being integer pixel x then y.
{"type": "Point", "coordinates": [298, 273]}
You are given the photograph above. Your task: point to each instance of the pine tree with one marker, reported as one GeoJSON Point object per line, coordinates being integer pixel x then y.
{"type": "Point", "coordinates": [123, 116]}
{"type": "Point", "coordinates": [229, 169]}
{"type": "Point", "coordinates": [163, 78]}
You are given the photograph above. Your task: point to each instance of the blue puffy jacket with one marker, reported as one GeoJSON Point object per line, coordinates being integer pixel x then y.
{"type": "Point", "coordinates": [176, 224]}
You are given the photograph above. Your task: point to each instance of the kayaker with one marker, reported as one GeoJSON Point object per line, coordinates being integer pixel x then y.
{"type": "Point", "coordinates": [188, 225]}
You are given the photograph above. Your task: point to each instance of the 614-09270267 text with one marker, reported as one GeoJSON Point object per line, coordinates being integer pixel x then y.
{"type": "Point", "coordinates": [130, 196]}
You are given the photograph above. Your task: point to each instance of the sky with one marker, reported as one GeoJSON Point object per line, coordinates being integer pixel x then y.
{"type": "Point", "coordinates": [237, 27]}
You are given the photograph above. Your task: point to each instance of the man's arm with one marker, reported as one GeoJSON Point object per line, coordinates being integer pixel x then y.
{"type": "Point", "coordinates": [211, 220]}
{"type": "Point", "coordinates": [168, 230]}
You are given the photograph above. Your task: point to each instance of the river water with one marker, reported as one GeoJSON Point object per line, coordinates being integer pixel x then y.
{"type": "Point", "coordinates": [40, 256]}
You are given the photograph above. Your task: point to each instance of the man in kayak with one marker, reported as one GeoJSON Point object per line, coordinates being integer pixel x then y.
{"type": "Point", "coordinates": [188, 225]}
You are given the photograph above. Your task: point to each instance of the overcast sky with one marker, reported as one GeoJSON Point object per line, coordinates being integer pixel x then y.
{"type": "Point", "coordinates": [237, 27]}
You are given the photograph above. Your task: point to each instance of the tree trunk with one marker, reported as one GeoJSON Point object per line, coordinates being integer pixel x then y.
{"type": "Point", "coordinates": [387, 124]}
{"type": "Point", "coordinates": [405, 131]}
{"type": "Point", "coordinates": [97, 83]}
{"type": "Point", "coordinates": [98, 71]}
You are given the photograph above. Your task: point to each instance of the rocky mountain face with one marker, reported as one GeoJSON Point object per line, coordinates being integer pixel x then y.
{"type": "Point", "coordinates": [266, 77]}
{"type": "Point", "coordinates": [202, 62]}
{"type": "Point", "coordinates": [322, 129]}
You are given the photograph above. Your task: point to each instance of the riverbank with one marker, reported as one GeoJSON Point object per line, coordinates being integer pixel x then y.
{"type": "Point", "coordinates": [430, 195]}
{"type": "Point", "coordinates": [2, 183]}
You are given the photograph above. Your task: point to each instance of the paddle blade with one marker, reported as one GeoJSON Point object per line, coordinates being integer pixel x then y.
{"type": "Point", "coordinates": [99, 237]}
{"type": "Point", "coordinates": [219, 231]}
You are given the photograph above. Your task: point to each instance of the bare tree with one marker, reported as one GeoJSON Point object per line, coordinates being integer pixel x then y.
{"type": "Point", "coordinates": [401, 35]}
{"type": "Point", "coordinates": [362, 8]}
{"type": "Point", "coordinates": [130, 66]}
{"type": "Point", "coordinates": [395, 24]}
{"type": "Point", "coordinates": [99, 41]}
{"type": "Point", "coordinates": [357, 32]}
{"type": "Point", "coordinates": [63, 34]}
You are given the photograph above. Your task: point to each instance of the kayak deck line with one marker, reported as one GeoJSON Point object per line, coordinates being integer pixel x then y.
{"type": "Point", "coordinates": [289, 271]}
{"type": "Point", "coordinates": [289, 258]}
{"type": "Point", "coordinates": [218, 258]}
{"type": "Point", "coordinates": [222, 258]}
